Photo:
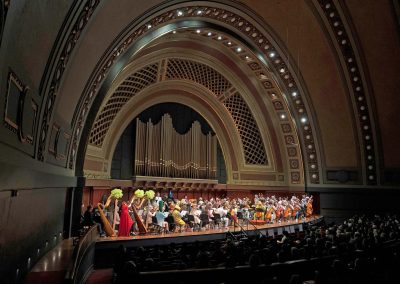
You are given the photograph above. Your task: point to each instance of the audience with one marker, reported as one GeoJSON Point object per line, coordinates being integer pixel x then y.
{"type": "Point", "coordinates": [360, 250]}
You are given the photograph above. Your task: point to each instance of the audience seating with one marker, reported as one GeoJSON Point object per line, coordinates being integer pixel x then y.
{"type": "Point", "coordinates": [360, 250]}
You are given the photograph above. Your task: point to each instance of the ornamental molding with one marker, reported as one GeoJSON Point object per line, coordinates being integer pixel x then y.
{"type": "Point", "coordinates": [229, 19]}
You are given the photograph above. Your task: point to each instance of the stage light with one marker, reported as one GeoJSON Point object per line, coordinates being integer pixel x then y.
{"type": "Point", "coordinates": [180, 13]}
{"type": "Point", "coordinates": [272, 54]}
{"type": "Point", "coordinates": [239, 49]}
{"type": "Point", "coordinates": [209, 34]}
{"type": "Point", "coordinates": [294, 94]}
{"type": "Point", "coordinates": [303, 120]}
{"type": "Point", "coordinates": [198, 31]}
{"type": "Point", "coordinates": [219, 37]}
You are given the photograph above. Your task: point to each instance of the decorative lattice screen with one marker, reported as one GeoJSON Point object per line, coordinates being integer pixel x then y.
{"type": "Point", "coordinates": [180, 69]}
{"type": "Point", "coordinates": [248, 130]}
{"type": "Point", "coordinates": [132, 85]}
{"type": "Point", "coordinates": [199, 73]}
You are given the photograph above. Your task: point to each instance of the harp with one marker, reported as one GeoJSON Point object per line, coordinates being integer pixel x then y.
{"type": "Point", "coordinates": [107, 226]}
{"type": "Point", "coordinates": [141, 227]}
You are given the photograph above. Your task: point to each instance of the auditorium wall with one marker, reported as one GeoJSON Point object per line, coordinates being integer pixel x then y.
{"type": "Point", "coordinates": [31, 223]}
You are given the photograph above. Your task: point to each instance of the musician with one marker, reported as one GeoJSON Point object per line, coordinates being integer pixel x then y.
{"type": "Point", "coordinates": [223, 211]}
{"type": "Point", "coordinates": [246, 212]}
{"type": "Point", "coordinates": [151, 212]}
{"type": "Point", "coordinates": [125, 222]}
{"type": "Point", "coordinates": [268, 214]}
{"type": "Point", "coordinates": [196, 213]}
{"type": "Point", "coordinates": [287, 211]}
{"type": "Point", "coordinates": [234, 215]}
{"type": "Point", "coordinates": [260, 209]}
{"type": "Point", "coordinates": [309, 206]}
{"type": "Point", "coordinates": [177, 216]}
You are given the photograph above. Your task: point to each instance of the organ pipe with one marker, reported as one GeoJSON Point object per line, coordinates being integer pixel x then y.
{"type": "Point", "coordinates": [161, 151]}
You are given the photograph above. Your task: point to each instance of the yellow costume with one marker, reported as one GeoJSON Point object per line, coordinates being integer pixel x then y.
{"type": "Point", "coordinates": [260, 209]}
{"type": "Point", "coordinates": [177, 216]}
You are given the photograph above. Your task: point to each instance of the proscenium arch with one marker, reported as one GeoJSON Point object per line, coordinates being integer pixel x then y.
{"type": "Point", "coordinates": [260, 110]}
{"type": "Point", "coordinates": [185, 95]}
{"type": "Point", "coordinates": [124, 50]}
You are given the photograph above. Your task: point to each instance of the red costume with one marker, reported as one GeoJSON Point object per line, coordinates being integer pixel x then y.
{"type": "Point", "coordinates": [125, 222]}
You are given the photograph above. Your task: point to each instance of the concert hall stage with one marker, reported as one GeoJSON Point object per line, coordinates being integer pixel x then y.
{"type": "Point", "coordinates": [207, 235]}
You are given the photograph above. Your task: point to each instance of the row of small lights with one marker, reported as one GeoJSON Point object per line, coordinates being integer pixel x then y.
{"type": "Point", "coordinates": [294, 94]}
{"type": "Point", "coordinates": [358, 88]}
{"type": "Point", "coordinates": [271, 55]}
{"type": "Point", "coordinates": [29, 260]}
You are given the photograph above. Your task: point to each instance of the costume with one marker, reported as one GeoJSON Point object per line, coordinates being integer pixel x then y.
{"type": "Point", "coordinates": [260, 209]}
{"type": "Point", "coordinates": [125, 222]}
{"type": "Point", "coordinates": [177, 216]}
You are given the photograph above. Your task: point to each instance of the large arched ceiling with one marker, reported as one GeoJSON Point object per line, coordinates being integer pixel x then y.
{"type": "Point", "coordinates": [326, 69]}
{"type": "Point", "coordinates": [252, 107]}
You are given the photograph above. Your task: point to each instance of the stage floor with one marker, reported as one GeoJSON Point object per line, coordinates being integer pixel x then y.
{"type": "Point", "coordinates": [214, 233]}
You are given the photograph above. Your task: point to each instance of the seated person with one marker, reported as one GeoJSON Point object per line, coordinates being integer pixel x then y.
{"type": "Point", "coordinates": [223, 211]}
{"type": "Point", "coordinates": [88, 217]}
{"type": "Point", "coordinates": [177, 216]}
{"type": "Point", "coordinates": [160, 216]}
{"type": "Point", "coordinates": [150, 214]}
{"type": "Point", "coordinates": [196, 213]}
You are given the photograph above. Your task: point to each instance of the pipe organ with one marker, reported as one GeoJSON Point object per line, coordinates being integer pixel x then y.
{"type": "Point", "coordinates": [162, 152]}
